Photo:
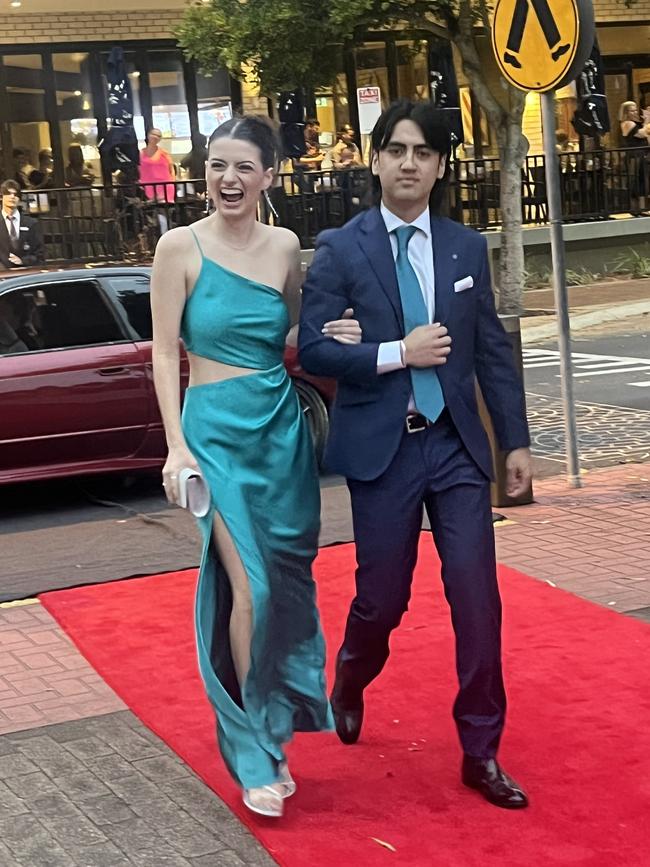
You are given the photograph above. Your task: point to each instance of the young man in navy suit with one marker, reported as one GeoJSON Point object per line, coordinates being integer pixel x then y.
{"type": "Point", "coordinates": [405, 428]}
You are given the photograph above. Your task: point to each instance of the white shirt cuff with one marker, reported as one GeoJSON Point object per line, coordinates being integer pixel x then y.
{"type": "Point", "coordinates": [389, 356]}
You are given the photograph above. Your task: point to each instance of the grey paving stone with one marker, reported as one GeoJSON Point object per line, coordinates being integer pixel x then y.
{"type": "Point", "coordinates": [52, 758]}
{"type": "Point", "coordinates": [89, 748]}
{"type": "Point", "coordinates": [190, 838]}
{"type": "Point", "coordinates": [75, 832]}
{"type": "Point", "coordinates": [15, 766]}
{"type": "Point", "coordinates": [162, 768]}
{"type": "Point", "coordinates": [111, 767]}
{"type": "Point", "coordinates": [133, 803]}
{"type": "Point", "coordinates": [106, 810]}
{"type": "Point", "coordinates": [11, 804]}
{"type": "Point", "coordinates": [85, 785]}
{"type": "Point", "coordinates": [226, 858]}
{"type": "Point", "coordinates": [128, 743]}
{"type": "Point", "coordinates": [31, 785]}
{"type": "Point", "coordinates": [32, 844]}
{"type": "Point", "coordinates": [133, 788]}
{"type": "Point", "coordinates": [102, 855]}
{"type": "Point", "coordinates": [54, 805]}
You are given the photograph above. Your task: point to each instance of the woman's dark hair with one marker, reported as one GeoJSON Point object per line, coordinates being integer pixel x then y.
{"type": "Point", "coordinates": [436, 132]}
{"type": "Point", "coordinates": [255, 130]}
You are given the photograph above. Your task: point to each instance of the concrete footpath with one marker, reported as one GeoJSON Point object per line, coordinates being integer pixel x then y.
{"type": "Point", "coordinates": [84, 784]}
{"type": "Point", "coordinates": [589, 306]}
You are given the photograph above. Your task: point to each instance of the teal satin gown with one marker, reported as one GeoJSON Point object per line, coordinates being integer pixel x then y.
{"type": "Point", "coordinates": [253, 446]}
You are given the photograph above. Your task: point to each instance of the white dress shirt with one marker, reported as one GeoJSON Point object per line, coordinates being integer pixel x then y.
{"type": "Point", "coordinates": [420, 254]}
{"type": "Point", "coordinates": [16, 221]}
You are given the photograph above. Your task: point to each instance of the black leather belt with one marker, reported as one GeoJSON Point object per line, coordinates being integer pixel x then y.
{"type": "Point", "coordinates": [416, 422]}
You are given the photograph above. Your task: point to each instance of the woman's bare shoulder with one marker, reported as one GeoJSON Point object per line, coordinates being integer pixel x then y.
{"type": "Point", "coordinates": [280, 237]}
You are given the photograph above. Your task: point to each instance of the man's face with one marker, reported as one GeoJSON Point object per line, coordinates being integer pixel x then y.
{"type": "Point", "coordinates": [348, 135]}
{"type": "Point", "coordinates": [10, 201]}
{"type": "Point", "coordinates": [407, 167]}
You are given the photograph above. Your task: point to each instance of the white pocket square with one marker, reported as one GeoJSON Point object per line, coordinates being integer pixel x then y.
{"type": "Point", "coordinates": [465, 283]}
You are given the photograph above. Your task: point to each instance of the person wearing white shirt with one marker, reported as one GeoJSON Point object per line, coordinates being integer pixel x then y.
{"type": "Point", "coordinates": [21, 242]}
{"type": "Point", "coordinates": [405, 430]}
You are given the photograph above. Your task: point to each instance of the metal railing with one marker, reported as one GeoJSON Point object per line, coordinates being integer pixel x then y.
{"type": "Point", "coordinates": [123, 223]}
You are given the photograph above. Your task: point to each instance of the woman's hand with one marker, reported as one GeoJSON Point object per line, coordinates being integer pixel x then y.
{"type": "Point", "coordinates": [178, 459]}
{"type": "Point", "coordinates": [344, 330]}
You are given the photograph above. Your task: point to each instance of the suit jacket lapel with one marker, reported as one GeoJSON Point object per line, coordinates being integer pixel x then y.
{"type": "Point", "coordinates": [375, 243]}
{"type": "Point", "coordinates": [444, 267]}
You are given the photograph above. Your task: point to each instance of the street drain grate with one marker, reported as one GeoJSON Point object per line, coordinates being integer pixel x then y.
{"type": "Point", "coordinates": [640, 614]}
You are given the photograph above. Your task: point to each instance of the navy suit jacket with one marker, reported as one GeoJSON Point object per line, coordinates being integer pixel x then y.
{"type": "Point", "coordinates": [354, 267]}
{"type": "Point", "coordinates": [30, 243]}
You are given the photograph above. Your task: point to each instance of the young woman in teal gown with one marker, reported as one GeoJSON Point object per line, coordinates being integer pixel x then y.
{"type": "Point", "coordinates": [229, 286]}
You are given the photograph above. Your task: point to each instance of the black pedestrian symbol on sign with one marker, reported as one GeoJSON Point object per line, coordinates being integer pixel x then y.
{"type": "Point", "coordinates": [547, 23]}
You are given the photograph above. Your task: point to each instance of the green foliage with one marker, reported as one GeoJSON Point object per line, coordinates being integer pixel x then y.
{"type": "Point", "coordinates": [581, 277]}
{"type": "Point", "coordinates": [632, 263]}
{"type": "Point", "coordinates": [292, 43]}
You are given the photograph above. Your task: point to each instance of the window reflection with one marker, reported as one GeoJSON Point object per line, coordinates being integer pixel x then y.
{"type": "Point", "coordinates": [77, 119]}
{"type": "Point", "coordinates": [25, 107]}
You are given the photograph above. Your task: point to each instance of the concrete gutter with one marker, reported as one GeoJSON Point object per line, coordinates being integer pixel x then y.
{"type": "Point", "coordinates": [534, 329]}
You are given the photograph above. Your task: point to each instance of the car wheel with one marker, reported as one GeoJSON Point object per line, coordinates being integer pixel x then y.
{"type": "Point", "coordinates": [315, 411]}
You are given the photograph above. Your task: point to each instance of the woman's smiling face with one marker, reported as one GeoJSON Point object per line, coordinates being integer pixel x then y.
{"type": "Point", "coordinates": [235, 175]}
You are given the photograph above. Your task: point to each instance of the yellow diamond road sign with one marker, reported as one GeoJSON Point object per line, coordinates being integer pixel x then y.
{"type": "Point", "coordinates": [542, 44]}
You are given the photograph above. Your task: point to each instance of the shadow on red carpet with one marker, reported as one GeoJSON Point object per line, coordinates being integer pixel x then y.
{"type": "Point", "coordinates": [577, 736]}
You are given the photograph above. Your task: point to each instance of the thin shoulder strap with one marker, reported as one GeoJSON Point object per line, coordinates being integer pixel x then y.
{"type": "Point", "coordinates": [196, 239]}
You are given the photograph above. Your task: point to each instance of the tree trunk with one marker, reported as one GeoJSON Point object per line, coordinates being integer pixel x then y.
{"type": "Point", "coordinates": [511, 260]}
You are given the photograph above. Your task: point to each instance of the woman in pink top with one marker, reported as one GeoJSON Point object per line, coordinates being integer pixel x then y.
{"type": "Point", "coordinates": [156, 167]}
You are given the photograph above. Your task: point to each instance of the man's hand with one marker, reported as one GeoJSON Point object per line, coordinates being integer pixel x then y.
{"type": "Point", "coordinates": [344, 330]}
{"type": "Point", "coordinates": [519, 472]}
{"type": "Point", "coordinates": [15, 260]}
{"type": "Point", "coordinates": [427, 346]}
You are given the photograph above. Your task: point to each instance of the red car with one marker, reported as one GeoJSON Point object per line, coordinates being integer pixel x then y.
{"type": "Point", "coordinates": [76, 385]}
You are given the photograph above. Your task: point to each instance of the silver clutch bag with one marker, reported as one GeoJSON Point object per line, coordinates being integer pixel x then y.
{"type": "Point", "coordinates": [193, 493]}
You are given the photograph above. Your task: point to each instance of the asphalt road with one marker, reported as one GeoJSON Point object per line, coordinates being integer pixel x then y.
{"type": "Point", "coordinates": [612, 371]}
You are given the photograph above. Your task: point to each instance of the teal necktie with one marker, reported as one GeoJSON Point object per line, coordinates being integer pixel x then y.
{"type": "Point", "coordinates": [427, 392]}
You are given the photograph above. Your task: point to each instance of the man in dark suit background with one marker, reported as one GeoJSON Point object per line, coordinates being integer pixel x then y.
{"type": "Point", "coordinates": [405, 428]}
{"type": "Point", "coordinates": [21, 241]}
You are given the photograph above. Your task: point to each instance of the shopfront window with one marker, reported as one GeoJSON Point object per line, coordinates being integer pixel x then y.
{"type": "Point", "coordinates": [213, 101]}
{"type": "Point", "coordinates": [76, 114]}
{"type": "Point", "coordinates": [169, 103]}
{"type": "Point", "coordinates": [372, 68]}
{"type": "Point", "coordinates": [413, 70]}
{"type": "Point", "coordinates": [25, 112]}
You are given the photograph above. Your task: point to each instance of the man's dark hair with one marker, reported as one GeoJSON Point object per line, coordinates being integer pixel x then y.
{"type": "Point", "coordinates": [436, 133]}
{"type": "Point", "coordinates": [312, 121]}
{"type": "Point", "coordinates": [255, 130]}
{"type": "Point", "coordinates": [9, 186]}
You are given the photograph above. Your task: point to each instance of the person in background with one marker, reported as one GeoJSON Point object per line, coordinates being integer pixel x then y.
{"type": "Point", "coordinates": [156, 168]}
{"type": "Point", "coordinates": [194, 162]}
{"type": "Point", "coordinates": [22, 166]}
{"type": "Point", "coordinates": [312, 132]}
{"type": "Point", "coordinates": [635, 134]}
{"type": "Point", "coordinates": [41, 178]}
{"type": "Point", "coordinates": [21, 241]}
{"type": "Point", "coordinates": [345, 144]}
{"type": "Point", "coordinates": [78, 173]}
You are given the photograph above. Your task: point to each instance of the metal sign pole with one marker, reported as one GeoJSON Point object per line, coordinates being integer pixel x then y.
{"type": "Point", "coordinates": [552, 170]}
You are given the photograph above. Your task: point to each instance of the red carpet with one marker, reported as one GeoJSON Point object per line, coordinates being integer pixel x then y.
{"type": "Point", "coordinates": [578, 733]}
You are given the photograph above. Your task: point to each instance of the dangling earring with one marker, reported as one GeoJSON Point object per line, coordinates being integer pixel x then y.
{"type": "Point", "coordinates": [269, 204]}
{"type": "Point", "coordinates": [208, 204]}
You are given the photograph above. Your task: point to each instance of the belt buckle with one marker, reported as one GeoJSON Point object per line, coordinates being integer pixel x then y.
{"type": "Point", "coordinates": [416, 423]}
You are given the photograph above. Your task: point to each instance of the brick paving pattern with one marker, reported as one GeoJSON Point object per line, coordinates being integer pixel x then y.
{"type": "Point", "coordinates": [593, 541]}
{"type": "Point", "coordinates": [106, 792]}
{"type": "Point", "coordinates": [43, 678]}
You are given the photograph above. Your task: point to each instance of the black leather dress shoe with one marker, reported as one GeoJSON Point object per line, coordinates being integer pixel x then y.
{"type": "Point", "coordinates": [493, 783]}
{"type": "Point", "coordinates": [348, 721]}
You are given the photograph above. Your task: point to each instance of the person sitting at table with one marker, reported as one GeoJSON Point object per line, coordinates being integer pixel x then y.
{"type": "Point", "coordinates": [345, 143]}
{"type": "Point", "coordinates": [78, 173]}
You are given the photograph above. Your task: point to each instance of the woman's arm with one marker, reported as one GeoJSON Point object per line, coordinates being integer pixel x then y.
{"type": "Point", "coordinates": [168, 296]}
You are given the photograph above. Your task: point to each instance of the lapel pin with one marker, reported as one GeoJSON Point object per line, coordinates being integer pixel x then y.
{"type": "Point", "coordinates": [454, 255]}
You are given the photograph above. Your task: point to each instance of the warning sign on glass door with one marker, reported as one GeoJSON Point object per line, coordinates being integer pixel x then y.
{"type": "Point", "coordinates": [369, 102]}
